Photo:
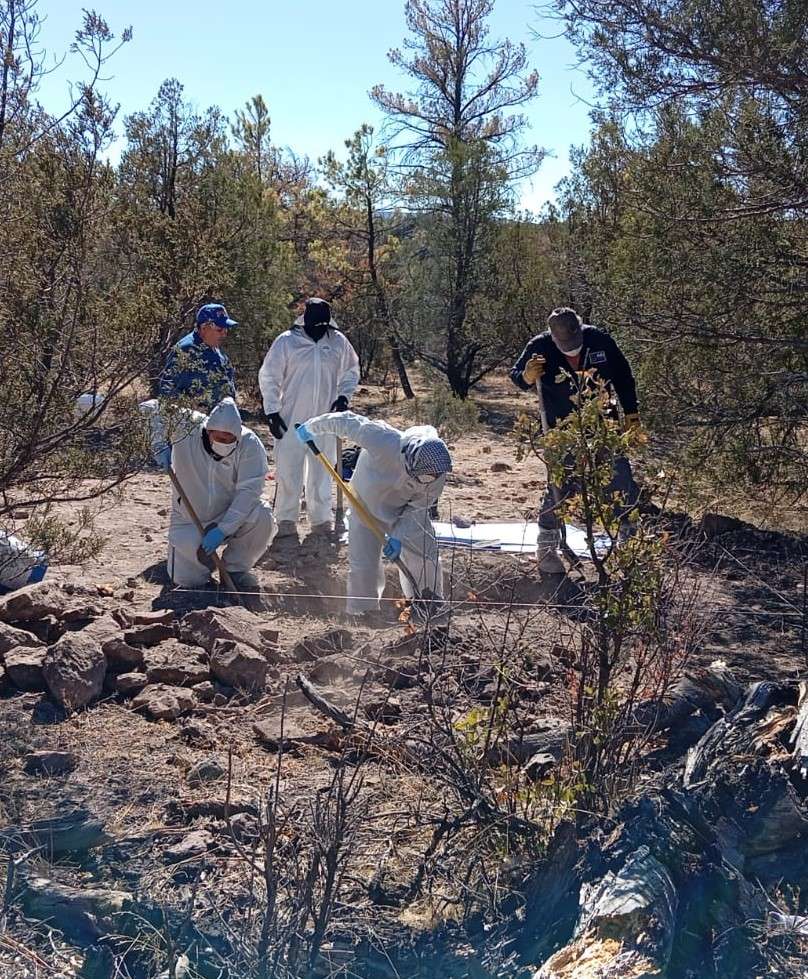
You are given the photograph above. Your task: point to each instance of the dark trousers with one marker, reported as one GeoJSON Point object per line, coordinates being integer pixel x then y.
{"type": "Point", "coordinates": [622, 483]}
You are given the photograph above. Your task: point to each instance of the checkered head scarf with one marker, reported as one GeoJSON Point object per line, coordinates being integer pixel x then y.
{"type": "Point", "coordinates": [427, 456]}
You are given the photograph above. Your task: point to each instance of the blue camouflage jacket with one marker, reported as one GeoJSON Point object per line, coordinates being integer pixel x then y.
{"type": "Point", "coordinates": [199, 372]}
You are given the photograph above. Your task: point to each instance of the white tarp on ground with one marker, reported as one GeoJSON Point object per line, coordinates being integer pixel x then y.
{"type": "Point", "coordinates": [512, 538]}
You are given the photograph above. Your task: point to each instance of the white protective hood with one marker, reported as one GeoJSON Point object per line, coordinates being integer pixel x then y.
{"type": "Point", "coordinates": [225, 417]}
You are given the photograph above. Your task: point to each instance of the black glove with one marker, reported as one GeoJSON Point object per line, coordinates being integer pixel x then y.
{"type": "Point", "coordinates": [341, 404]}
{"type": "Point", "coordinates": [276, 424]}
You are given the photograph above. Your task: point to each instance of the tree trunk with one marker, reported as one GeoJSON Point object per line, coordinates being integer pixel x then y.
{"type": "Point", "coordinates": [401, 369]}
{"type": "Point", "coordinates": [382, 308]}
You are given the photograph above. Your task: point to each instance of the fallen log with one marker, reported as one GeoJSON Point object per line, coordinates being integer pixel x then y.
{"type": "Point", "coordinates": [800, 736]}
{"type": "Point", "coordinates": [710, 689]}
{"type": "Point", "coordinates": [552, 738]}
{"type": "Point", "coordinates": [316, 699]}
{"type": "Point", "coordinates": [676, 889]}
{"type": "Point", "coordinates": [659, 899]}
{"type": "Point", "coordinates": [626, 925]}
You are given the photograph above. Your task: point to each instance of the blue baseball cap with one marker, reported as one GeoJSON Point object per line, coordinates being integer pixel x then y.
{"type": "Point", "coordinates": [214, 313]}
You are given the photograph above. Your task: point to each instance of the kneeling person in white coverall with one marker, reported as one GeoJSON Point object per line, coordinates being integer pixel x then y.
{"type": "Point", "coordinates": [399, 477]}
{"type": "Point", "coordinates": [309, 369]}
{"type": "Point", "coordinates": [222, 468]}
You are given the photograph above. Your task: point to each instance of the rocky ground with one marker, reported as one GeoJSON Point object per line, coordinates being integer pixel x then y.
{"type": "Point", "coordinates": [137, 827]}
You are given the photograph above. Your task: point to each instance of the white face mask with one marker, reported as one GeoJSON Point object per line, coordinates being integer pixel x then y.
{"type": "Point", "coordinates": [573, 353]}
{"type": "Point", "coordinates": [223, 449]}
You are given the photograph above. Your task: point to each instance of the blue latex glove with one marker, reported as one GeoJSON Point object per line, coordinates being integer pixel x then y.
{"type": "Point", "coordinates": [392, 549]}
{"type": "Point", "coordinates": [163, 457]}
{"type": "Point", "coordinates": [212, 539]}
{"type": "Point", "coordinates": [303, 433]}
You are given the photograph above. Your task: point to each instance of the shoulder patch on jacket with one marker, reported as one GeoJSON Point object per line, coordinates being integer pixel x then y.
{"type": "Point", "coordinates": [597, 357]}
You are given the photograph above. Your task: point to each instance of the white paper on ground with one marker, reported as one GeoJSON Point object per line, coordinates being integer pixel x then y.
{"type": "Point", "coordinates": [511, 538]}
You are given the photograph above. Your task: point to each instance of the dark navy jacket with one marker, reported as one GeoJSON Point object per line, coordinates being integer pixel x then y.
{"type": "Point", "coordinates": [202, 373]}
{"type": "Point", "coordinates": [600, 353]}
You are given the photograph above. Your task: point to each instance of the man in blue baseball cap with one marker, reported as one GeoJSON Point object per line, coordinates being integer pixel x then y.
{"type": "Point", "coordinates": [197, 368]}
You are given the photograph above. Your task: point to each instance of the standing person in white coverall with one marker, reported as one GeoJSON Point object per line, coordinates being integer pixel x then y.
{"type": "Point", "coordinates": [222, 468]}
{"type": "Point", "coordinates": [309, 369]}
{"type": "Point", "coordinates": [399, 477]}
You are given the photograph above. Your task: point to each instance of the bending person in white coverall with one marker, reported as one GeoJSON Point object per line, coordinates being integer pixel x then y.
{"type": "Point", "coordinates": [399, 477]}
{"type": "Point", "coordinates": [222, 468]}
{"type": "Point", "coordinates": [309, 369]}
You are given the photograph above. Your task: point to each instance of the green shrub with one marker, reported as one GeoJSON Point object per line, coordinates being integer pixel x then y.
{"type": "Point", "coordinates": [451, 416]}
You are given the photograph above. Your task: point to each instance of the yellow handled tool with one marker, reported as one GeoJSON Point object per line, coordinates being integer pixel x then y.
{"type": "Point", "coordinates": [362, 511]}
{"type": "Point", "coordinates": [339, 513]}
{"type": "Point", "coordinates": [224, 577]}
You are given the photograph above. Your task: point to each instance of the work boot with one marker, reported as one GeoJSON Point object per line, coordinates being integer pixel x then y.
{"type": "Point", "coordinates": [286, 528]}
{"type": "Point", "coordinates": [321, 529]}
{"type": "Point", "coordinates": [245, 581]}
{"type": "Point", "coordinates": [547, 556]}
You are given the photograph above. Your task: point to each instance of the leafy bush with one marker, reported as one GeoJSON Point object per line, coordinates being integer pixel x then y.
{"type": "Point", "coordinates": [451, 416]}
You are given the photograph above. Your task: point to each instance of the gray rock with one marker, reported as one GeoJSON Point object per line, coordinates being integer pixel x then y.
{"type": "Point", "coordinates": [72, 831]}
{"type": "Point", "coordinates": [164, 703]}
{"type": "Point", "coordinates": [288, 736]}
{"type": "Point", "coordinates": [10, 638]}
{"type": "Point", "coordinates": [244, 827]}
{"type": "Point", "coordinates": [74, 669]}
{"type": "Point", "coordinates": [149, 635]}
{"type": "Point", "coordinates": [190, 847]}
{"type": "Point", "coordinates": [127, 683]}
{"type": "Point", "coordinates": [205, 626]}
{"type": "Point", "coordinates": [24, 667]}
{"type": "Point", "coordinates": [83, 914]}
{"type": "Point", "coordinates": [128, 619]}
{"type": "Point", "coordinates": [175, 663]}
{"type": "Point", "coordinates": [238, 665]}
{"type": "Point", "coordinates": [49, 762]}
{"type": "Point", "coordinates": [34, 602]}
{"type": "Point", "coordinates": [103, 629]}
{"type": "Point", "coordinates": [207, 770]}
{"type": "Point", "coordinates": [204, 691]}
{"type": "Point", "coordinates": [121, 654]}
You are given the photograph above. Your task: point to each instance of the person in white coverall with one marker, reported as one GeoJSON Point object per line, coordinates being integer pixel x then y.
{"type": "Point", "coordinates": [399, 477]}
{"type": "Point", "coordinates": [222, 468]}
{"type": "Point", "coordinates": [309, 369]}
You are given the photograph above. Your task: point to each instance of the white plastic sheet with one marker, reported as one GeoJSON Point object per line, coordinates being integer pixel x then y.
{"type": "Point", "coordinates": [510, 538]}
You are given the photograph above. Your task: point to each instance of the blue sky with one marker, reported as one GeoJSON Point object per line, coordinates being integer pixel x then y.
{"type": "Point", "coordinates": [312, 60]}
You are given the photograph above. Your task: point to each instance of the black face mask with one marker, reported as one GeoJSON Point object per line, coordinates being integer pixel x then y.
{"type": "Point", "coordinates": [316, 331]}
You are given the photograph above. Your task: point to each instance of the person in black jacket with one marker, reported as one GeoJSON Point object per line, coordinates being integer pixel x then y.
{"type": "Point", "coordinates": [556, 359]}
